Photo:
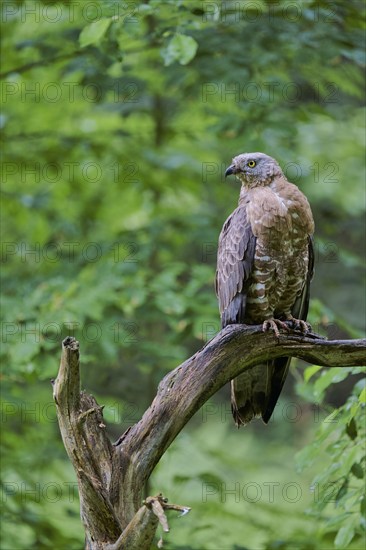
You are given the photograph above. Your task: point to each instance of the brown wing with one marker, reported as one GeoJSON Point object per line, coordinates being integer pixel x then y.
{"type": "Point", "coordinates": [235, 260]}
{"type": "Point", "coordinates": [278, 368]}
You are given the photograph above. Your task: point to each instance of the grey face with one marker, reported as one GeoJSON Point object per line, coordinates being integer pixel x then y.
{"type": "Point", "coordinates": [254, 168]}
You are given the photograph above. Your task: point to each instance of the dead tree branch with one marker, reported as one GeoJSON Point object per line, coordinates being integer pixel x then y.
{"type": "Point", "coordinates": [111, 478]}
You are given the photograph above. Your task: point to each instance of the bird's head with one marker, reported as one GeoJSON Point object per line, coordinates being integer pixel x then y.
{"type": "Point", "coordinates": [254, 169]}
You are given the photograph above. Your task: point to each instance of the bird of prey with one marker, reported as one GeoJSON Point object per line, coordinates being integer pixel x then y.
{"type": "Point", "coordinates": [264, 266]}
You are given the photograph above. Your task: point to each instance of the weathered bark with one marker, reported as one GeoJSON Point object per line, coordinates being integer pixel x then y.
{"type": "Point", "coordinates": [111, 478]}
{"type": "Point", "coordinates": [89, 449]}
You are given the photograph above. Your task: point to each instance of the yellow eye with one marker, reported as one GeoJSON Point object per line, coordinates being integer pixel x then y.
{"type": "Point", "coordinates": [251, 163]}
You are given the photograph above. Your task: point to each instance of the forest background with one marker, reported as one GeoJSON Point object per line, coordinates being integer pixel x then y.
{"type": "Point", "coordinates": [118, 121]}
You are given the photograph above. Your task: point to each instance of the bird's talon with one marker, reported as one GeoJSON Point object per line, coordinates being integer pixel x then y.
{"type": "Point", "coordinates": [275, 325]}
{"type": "Point", "coordinates": [300, 325]}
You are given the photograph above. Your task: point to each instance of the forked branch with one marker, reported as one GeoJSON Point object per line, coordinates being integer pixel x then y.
{"type": "Point", "coordinates": [112, 479]}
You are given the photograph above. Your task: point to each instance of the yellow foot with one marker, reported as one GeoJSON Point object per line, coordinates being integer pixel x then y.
{"type": "Point", "coordinates": [275, 325]}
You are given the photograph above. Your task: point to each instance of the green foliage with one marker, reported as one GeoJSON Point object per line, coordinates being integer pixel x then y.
{"type": "Point", "coordinates": [118, 122]}
{"type": "Point", "coordinates": [339, 445]}
{"type": "Point", "coordinates": [181, 48]}
{"type": "Point", "coordinates": [93, 33]}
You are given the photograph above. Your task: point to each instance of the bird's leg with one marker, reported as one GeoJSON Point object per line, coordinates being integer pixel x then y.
{"type": "Point", "coordinates": [275, 325]}
{"type": "Point", "coordinates": [299, 324]}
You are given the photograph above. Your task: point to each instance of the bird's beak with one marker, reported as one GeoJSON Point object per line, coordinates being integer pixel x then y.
{"type": "Point", "coordinates": [229, 171]}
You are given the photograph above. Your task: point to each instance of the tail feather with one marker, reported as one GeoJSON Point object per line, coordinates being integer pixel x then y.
{"type": "Point", "coordinates": [254, 393]}
{"type": "Point", "coordinates": [279, 369]}
{"type": "Point", "coordinates": [248, 394]}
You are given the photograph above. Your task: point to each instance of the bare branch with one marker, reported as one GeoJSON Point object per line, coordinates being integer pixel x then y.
{"type": "Point", "coordinates": [112, 478]}
{"type": "Point", "coordinates": [140, 532]}
{"type": "Point", "coordinates": [89, 449]}
{"type": "Point", "coordinates": [183, 391]}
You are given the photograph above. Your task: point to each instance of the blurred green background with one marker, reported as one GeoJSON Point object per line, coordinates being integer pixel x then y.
{"type": "Point", "coordinates": [118, 121]}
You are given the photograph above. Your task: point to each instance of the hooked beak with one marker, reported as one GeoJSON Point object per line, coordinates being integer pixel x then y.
{"type": "Point", "coordinates": [229, 171]}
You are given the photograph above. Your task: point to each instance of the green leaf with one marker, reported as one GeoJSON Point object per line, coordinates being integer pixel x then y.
{"type": "Point", "coordinates": [181, 48]}
{"type": "Point", "coordinates": [209, 477]}
{"type": "Point", "coordinates": [357, 470]}
{"type": "Point", "coordinates": [363, 505]}
{"type": "Point", "coordinates": [351, 429]}
{"type": "Point", "coordinates": [93, 33]}
{"type": "Point", "coordinates": [349, 456]}
{"type": "Point", "coordinates": [332, 376]}
{"type": "Point", "coordinates": [310, 371]}
{"type": "Point", "coordinates": [336, 522]}
{"type": "Point", "coordinates": [306, 457]}
{"type": "Point", "coordinates": [344, 536]}
{"type": "Point", "coordinates": [362, 396]}
{"type": "Point", "coordinates": [342, 491]}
